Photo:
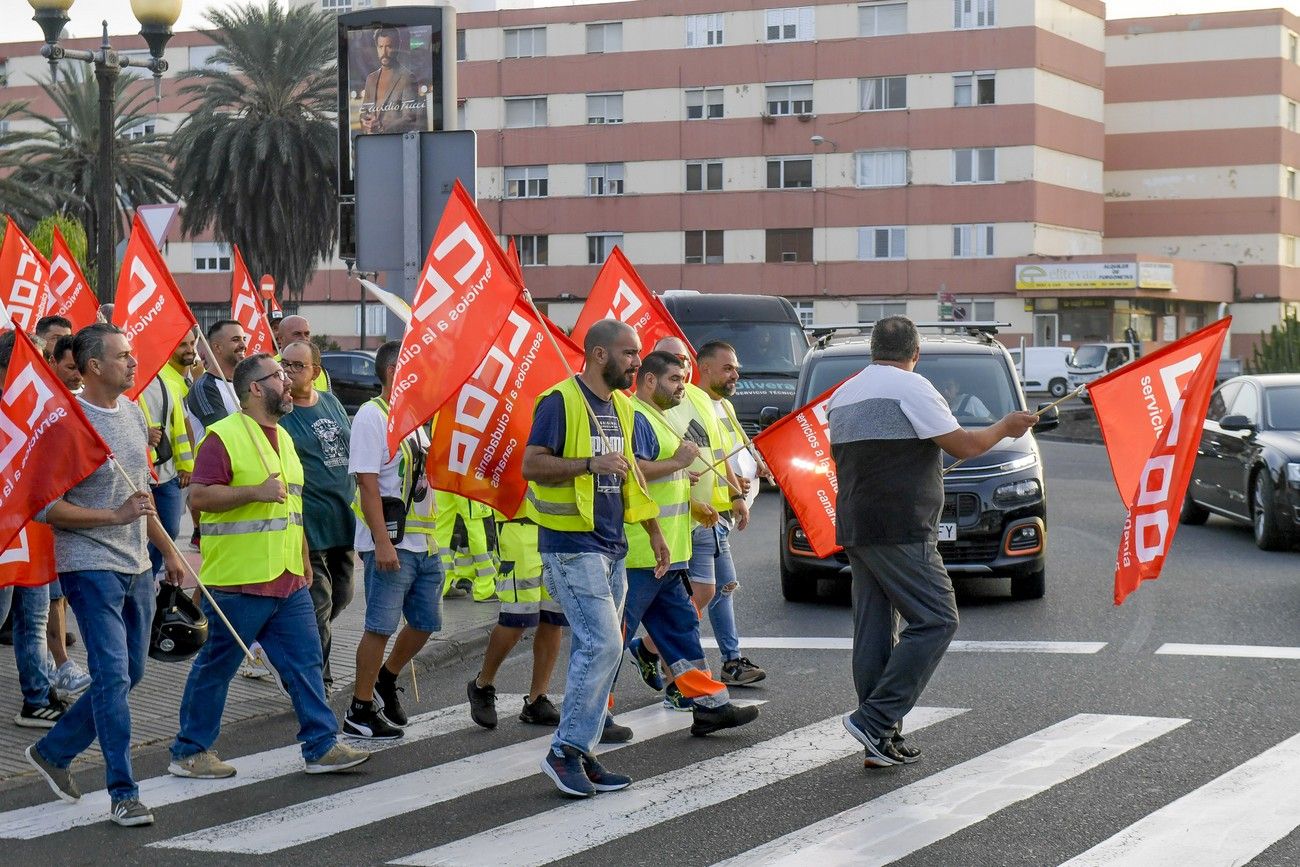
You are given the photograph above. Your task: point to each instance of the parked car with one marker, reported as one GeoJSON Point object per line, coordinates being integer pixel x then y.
{"type": "Point", "coordinates": [352, 376]}
{"type": "Point", "coordinates": [1043, 368]}
{"type": "Point", "coordinates": [1248, 463]}
{"type": "Point", "coordinates": [1094, 360]}
{"type": "Point", "coordinates": [994, 520]}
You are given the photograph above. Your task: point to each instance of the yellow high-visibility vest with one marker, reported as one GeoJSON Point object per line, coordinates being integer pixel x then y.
{"type": "Point", "coordinates": [672, 493]}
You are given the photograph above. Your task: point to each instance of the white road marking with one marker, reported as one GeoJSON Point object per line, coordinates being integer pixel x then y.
{"type": "Point", "coordinates": [835, 643]}
{"type": "Point", "coordinates": [906, 820]}
{"type": "Point", "coordinates": [1244, 651]}
{"type": "Point", "coordinates": [1229, 820]}
{"type": "Point", "coordinates": [575, 828]}
{"type": "Point", "coordinates": [42, 819]}
{"type": "Point", "coordinates": [396, 796]}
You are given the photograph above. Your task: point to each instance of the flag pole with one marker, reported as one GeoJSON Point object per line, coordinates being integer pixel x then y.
{"type": "Point", "coordinates": [1038, 412]}
{"type": "Point", "coordinates": [190, 568]}
{"type": "Point", "coordinates": [713, 468]}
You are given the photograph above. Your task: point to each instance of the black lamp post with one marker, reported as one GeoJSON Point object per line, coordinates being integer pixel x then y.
{"type": "Point", "coordinates": [156, 18]}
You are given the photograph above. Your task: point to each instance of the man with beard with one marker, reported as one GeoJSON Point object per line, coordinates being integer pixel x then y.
{"type": "Point", "coordinates": [247, 484]}
{"type": "Point", "coordinates": [390, 101]}
{"type": "Point", "coordinates": [212, 398]}
{"type": "Point", "coordinates": [583, 486]}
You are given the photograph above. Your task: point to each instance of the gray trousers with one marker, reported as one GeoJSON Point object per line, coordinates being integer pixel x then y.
{"type": "Point", "coordinates": [331, 591]}
{"type": "Point", "coordinates": [888, 673]}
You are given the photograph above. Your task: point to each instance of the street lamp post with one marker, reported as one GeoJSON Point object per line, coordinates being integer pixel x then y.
{"type": "Point", "coordinates": [156, 18]}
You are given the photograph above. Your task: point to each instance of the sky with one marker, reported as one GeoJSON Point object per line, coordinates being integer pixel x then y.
{"type": "Point", "coordinates": [86, 14]}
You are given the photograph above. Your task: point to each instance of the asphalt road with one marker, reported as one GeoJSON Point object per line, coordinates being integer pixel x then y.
{"type": "Point", "coordinates": [1038, 757]}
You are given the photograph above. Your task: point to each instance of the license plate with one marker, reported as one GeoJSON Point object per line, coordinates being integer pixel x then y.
{"type": "Point", "coordinates": [947, 532]}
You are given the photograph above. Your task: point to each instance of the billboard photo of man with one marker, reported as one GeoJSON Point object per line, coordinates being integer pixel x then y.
{"type": "Point", "coordinates": [390, 78]}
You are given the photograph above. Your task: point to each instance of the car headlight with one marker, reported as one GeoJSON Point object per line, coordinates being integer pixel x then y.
{"type": "Point", "coordinates": [1024, 491]}
{"type": "Point", "coordinates": [1293, 474]}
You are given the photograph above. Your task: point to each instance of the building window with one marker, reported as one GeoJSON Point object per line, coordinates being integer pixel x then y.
{"type": "Point", "coordinates": [703, 31]}
{"type": "Point", "coordinates": [704, 247]}
{"type": "Point", "coordinates": [974, 166]}
{"type": "Point", "coordinates": [336, 6]}
{"type": "Point", "coordinates": [703, 103]}
{"type": "Point", "coordinates": [874, 311]}
{"type": "Point", "coordinates": [201, 57]}
{"type": "Point", "coordinates": [804, 310]}
{"type": "Point", "coordinates": [209, 257]}
{"type": "Point", "coordinates": [882, 19]}
{"type": "Point", "coordinates": [789, 173]}
{"type": "Point", "coordinates": [789, 99]}
{"type": "Point", "coordinates": [972, 241]}
{"type": "Point", "coordinates": [882, 242]}
{"type": "Point", "coordinates": [881, 94]}
{"type": "Point", "coordinates": [703, 177]}
{"type": "Point", "coordinates": [604, 108]}
{"type": "Point", "coordinates": [599, 246]}
{"type": "Point", "coordinates": [968, 14]}
{"type": "Point", "coordinates": [1288, 250]}
{"type": "Point", "coordinates": [376, 320]}
{"type": "Point", "coordinates": [604, 38]}
{"type": "Point", "coordinates": [460, 115]}
{"type": "Point", "coordinates": [1290, 183]}
{"type": "Point", "coordinates": [461, 54]}
{"type": "Point", "coordinates": [525, 182]}
{"type": "Point", "coordinates": [523, 111]}
{"type": "Point", "coordinates": [4, 71]}
{"type": "Point", "coordinates": [143, 129]}
{"type": "Point", "coordinates": [882, 168]}
{"type": "Point", "coordinates": [604, 179]}
{"type": "Point", "coordinates": [789, 245]}
{"type": "Point", "coordinates": [526, 42]}
{"type": "Point", "coordinates": [789, 25]}
{"type": "Point", "coordinates": [1293, 48]}
{"type": "Point", "coordinates": [531, 249]}
{"type": "Point", "coordinates": [970, 310]}
{"type": "Point", "coordinates": [973, 88]}
{"type": "Point", "coordinates": [1291, 116]}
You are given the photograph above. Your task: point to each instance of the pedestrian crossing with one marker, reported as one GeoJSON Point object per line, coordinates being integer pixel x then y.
{"type": "Point", "coordinates": [1228, 820]}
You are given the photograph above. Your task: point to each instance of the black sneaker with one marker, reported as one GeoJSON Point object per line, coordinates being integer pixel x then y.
{"type": "Point", "coordinates": [909, 754]}
{"type": "Point", "coordinates": [614, 733]}
{"type": "Point", "coordinates": [482, 703]}
{"type": "Point", "coordinates": [603, 780]}
{"type": "Point", "coordinates": [647, 664]}
{"type": "Point", "coordinates": [389, 705]}
{"type": "Point", "coordinates": [368, 723]}
{"type": "Point", "coordinates": [741, 672]}
{"type": "Point", "coordinates": [33, 717]}
{"type": "Point", "coordinates": [540, 712]}
{"type": "Point", "coordinates": [880, 751]}
{"type": "Point", "coordinates": [563, 764]}
{"type": "Point", "coordinates": [729, 716]}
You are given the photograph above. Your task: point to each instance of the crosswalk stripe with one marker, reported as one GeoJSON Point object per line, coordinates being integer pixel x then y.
{"type": "Point", "coordinates": [1244, 651]}
{"type": "Point", "coordinates": [577, 827]}
{"type": "Point", "coordinates": [31, 822]}
{"type": "Point", "coordinates": [800, 642]}
{"type": "Point", "coordinates": [895, 825]}
{"type": "Point", "coordinates": [1229, 820]}
{"type": "Point", "coordinates": [397, 796]}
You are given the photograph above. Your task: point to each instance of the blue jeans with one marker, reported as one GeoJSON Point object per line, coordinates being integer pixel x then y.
{"type": "Point", "coordinates": [114, 611]}
{"type": "Point", "coordinates": [415, 590]}
{"type": "Point", "coordinates": [169, 501]}
{"type": "Point", "coordinates": [591, 589]}
{"type": "Point", "coordinates": [711, 564]}
{"type": "Point", "coordinates": [286, 629]}
{"type": "Point", "coordinates": [31, 607]}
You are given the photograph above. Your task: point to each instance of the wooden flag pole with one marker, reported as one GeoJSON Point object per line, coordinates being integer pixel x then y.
{"type": "Point", "coordinates": [713, 468]}
{"type": "Point", "coordinates": [1039, 412]}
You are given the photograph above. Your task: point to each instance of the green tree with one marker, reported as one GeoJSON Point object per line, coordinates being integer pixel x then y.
{"type": "Point", "coordinates": [42, 235]}
{"type": "Point", "coordinates": [63, 157]}
{"type": "Point", "coordinates": [20, 197]}
{"type": "Point", "coordinates": [255, 160]}
{"type": "Point", "coordinates": [1279, 349]}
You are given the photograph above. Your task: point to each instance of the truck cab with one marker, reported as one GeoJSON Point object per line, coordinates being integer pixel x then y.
{"type": "Point", "coordinates": [1094, 360]}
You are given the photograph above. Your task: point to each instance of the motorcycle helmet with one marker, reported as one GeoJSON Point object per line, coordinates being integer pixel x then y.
{"type": "Point", "coordinates": [179, 627]}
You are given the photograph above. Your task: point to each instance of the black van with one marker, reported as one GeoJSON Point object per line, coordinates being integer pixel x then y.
{"type": "Point", "coordinates": [770, 342]}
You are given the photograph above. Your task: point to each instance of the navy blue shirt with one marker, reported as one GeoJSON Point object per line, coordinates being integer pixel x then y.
{"type": "Point", "coordinates": [549, 432]}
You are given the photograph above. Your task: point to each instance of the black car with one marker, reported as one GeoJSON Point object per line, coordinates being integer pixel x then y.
{"type": "Point", "coordinates": [994, 521]}
{"type": "Point", "coordinates": [352, 376]}
{"type": "Point", "coordinates": [1248, 463]}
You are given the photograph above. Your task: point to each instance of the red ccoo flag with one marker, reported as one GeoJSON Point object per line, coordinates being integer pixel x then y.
{"type": "Point", "coordinates": [480, 432]}
{"type": "Point", "coordinates": [72, 295]}
{"type": "Point", "coordinates": [797, 450]}
{"type": "Point", "coordinates": [149, 304]}
{"type": "Point", "coordinates": [1150, 414]}
{"type": "Point", "coordinates": [29, 559]}
{"type": "Point", "coordinates": [465, 293]}
{"type": "Point", "coordinates": [619, 293]}
{"type": "Point", "coordinates": [46, 443]}
{"type": "Point", "coordinates": [246, 308]}
{"type": "Point", "coordinates": [512, 259]}
{"type": "Point", "coordinates": [24, 280]}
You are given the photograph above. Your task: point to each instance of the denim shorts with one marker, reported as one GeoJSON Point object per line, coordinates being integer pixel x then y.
{"type": "Point", "coordinates": [414, 590]}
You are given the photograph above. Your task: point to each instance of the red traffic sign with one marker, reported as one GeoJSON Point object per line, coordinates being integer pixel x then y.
{"type": "Point", "coordinates": [267, 285]}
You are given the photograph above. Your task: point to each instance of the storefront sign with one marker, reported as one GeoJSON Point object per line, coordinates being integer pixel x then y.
{"type": "Point", "coordinates": [1094, 275]}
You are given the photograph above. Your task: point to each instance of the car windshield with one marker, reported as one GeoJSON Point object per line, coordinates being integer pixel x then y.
{"type": "Point", "coordinates": [764, 348]}
{"type": "Point", "coordinates": [978, 387]}
{"type": "Point", "coordinates": [1282, 405]}
{"type": "Point", "coordinates": [1092, 355]}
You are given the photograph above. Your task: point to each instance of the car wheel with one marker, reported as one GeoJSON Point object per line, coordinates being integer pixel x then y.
{"type": "Point", "coordinates": [1057, 388]}
{"type": "Point", "coordinates": [1193, 513]}
{"type": "Point", "coordinates": [1268, 535]}
{"type": "Point", "coordinates": [1030, 586]}
{"type": "Point", "coordinates": [796, 585]}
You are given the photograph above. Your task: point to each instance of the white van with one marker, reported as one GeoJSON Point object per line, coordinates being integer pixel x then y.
{"type": "Point", "coordinates": [1044, 368]}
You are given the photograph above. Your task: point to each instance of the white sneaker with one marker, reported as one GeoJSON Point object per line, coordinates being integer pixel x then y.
{"type": "Point", "coordinates": [70, 679]}
{"type": "Point", "coordinates": [257, 668]}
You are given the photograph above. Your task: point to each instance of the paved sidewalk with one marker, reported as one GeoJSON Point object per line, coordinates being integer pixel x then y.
{"type": "Point", "coordinates": [156, 701]}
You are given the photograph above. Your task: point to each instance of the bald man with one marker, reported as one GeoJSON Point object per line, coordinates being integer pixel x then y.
{"type": "Point", "coordinates": [295, 328]}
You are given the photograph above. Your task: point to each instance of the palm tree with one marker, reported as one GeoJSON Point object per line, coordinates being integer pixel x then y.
{"type": "Point", "coordinates": [256, 158]}
{"type": "Point", "coordinates": [25, 200]}
{"type": "Point", "coordinates": [63, 156]}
